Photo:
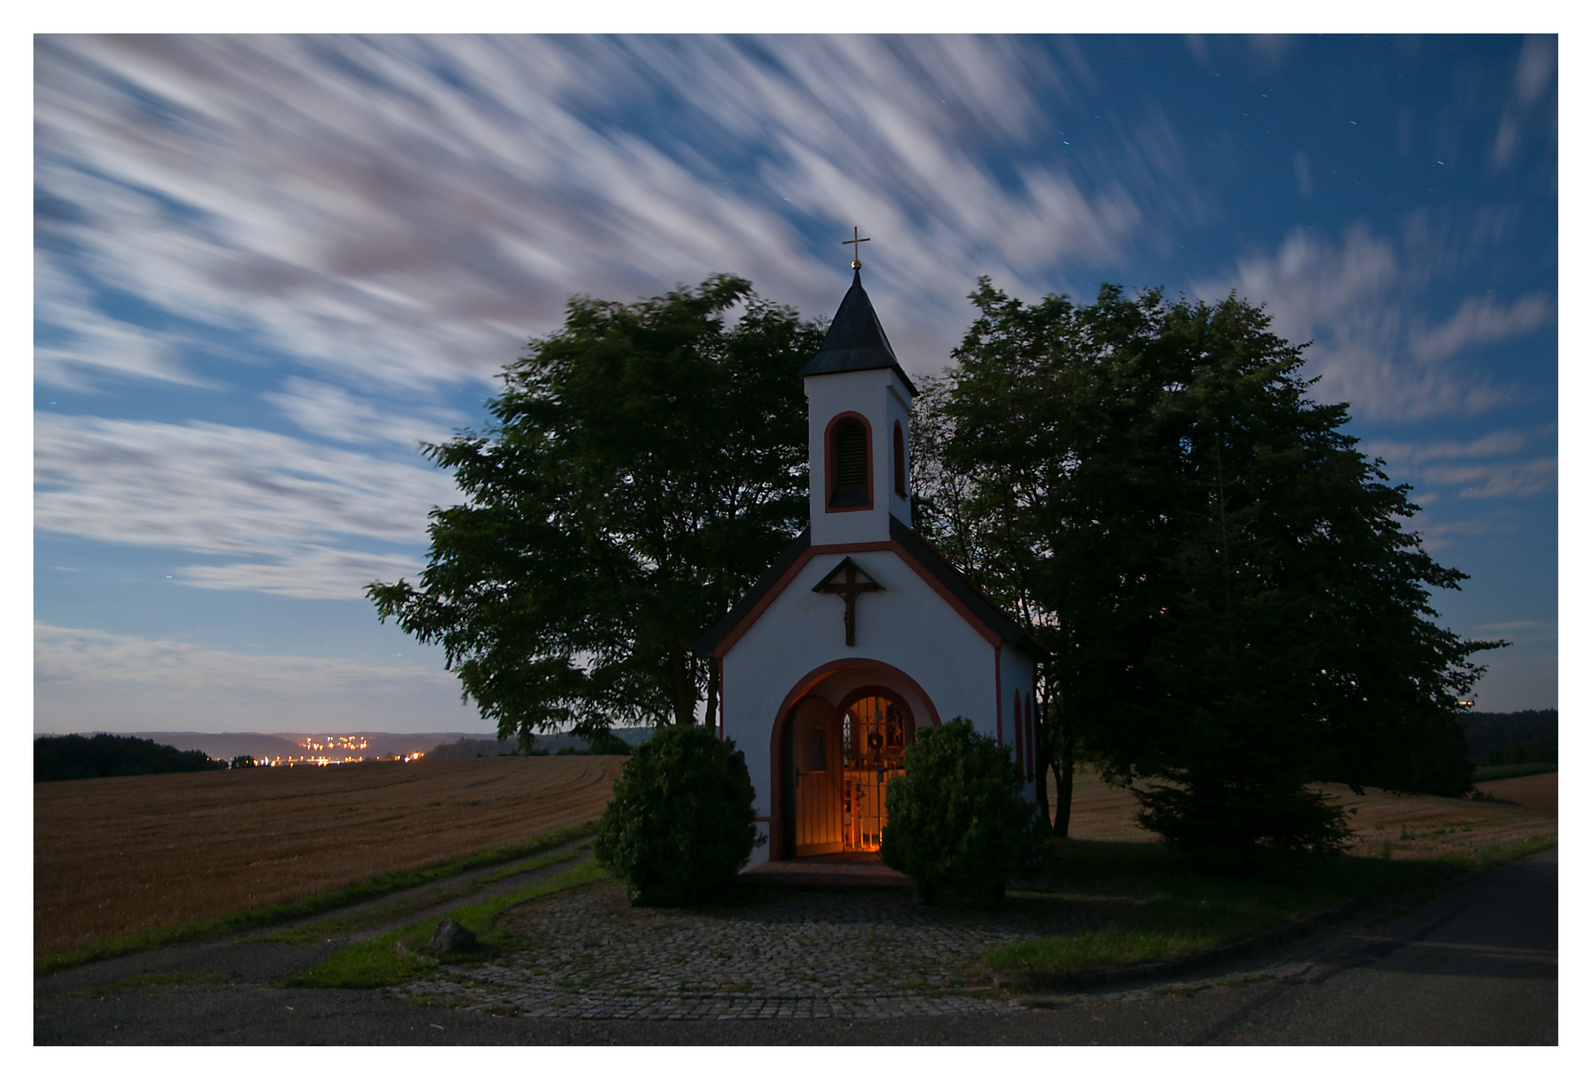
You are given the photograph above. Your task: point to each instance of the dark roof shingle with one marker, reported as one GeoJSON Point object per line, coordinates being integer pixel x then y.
{"type": "Point", "coordinates": [856, 341]}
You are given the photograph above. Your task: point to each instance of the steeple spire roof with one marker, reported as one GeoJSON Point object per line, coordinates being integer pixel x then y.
{"type": "Point", "coordinates": [856, 341]}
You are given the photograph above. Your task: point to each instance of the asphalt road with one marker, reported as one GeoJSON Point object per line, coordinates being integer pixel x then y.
{"type": "Point", "coordinates": [1476, 965]}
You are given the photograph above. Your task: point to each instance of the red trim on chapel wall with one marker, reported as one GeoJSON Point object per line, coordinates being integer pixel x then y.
{"type": "Point", "coordinates": [1017, 727]}
{"type": "Point", "coordinates": [1000, 738]}
{"type": "Point", "coordinates": [804, 686]}
{"type": "Point", "coordinates": [761, 606]}
{"type": "Point", "coordinates": [899, 453]}
{"type": "Point", "coordinates": [829, 462]}
{"type": "Point", "coordinates": [945, 594]}
{"type": "Point", "coordinates": [1033, 746]}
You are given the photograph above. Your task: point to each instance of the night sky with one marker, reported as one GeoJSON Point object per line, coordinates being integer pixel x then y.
{"type": "Point", "coordinates": [265, 267]}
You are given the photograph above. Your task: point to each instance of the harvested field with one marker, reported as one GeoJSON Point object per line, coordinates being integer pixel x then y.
{"type": "Point", "coordinates": [125, 854]}
{"type": "Point", "coordinates": [1538, 793]}
{"type": "Point", "coordinates": [1394, 826]}
{"type": "Point", "coordinates": [122, 855]}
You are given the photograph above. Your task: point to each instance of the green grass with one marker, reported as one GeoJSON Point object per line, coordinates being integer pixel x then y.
{"type": "Point", "coordinates": [268, 914]}
{"type": "Point", "coordinates": [1483, 858]}
{"type": "Point", "coordinates": [366, 918]}
{"type": "Point", "coordinates": [1160, 909]}
{"type": "Point", "coordinates": [399, 956]}
{"type": "Point", "coordinates": [535, 864]}
{"type": "Point", "coordinates": [1508, 772]}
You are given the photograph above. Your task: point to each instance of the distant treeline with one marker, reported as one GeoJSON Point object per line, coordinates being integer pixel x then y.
{"type": "Point", "coordinates": [477, 748]}
{"type": "Point", "coordinates": [74, 757]}
{"type": "Point", "coordinates": [618, 742]}
{"type": "Point", "coordinates": [1487, 732]}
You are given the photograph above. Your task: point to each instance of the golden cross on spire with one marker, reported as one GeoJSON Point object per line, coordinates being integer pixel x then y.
{"type": "Point", "coordinates": [856, 263]}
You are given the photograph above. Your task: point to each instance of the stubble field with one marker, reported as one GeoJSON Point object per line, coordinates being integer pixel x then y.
{"type": "Point", "coordinates": [1392, 826]}
{"type": "Point", "coordinates": [121, 855]}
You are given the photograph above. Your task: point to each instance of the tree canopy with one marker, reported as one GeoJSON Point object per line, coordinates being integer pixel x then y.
{"type": "Point", "coordinates": [1227, 582]}
{"type": "Point", "coordinates": [647, 462]}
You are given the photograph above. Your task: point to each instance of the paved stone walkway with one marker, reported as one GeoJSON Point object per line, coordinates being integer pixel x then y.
{"type": "Point", "coordinates": [761, 952]}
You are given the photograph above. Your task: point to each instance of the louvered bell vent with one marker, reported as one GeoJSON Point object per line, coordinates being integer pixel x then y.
{"type": "Point", "coordinates": [851, 464]}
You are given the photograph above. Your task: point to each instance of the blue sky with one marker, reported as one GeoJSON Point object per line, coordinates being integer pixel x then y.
{"type": "Point", "coordinates": [265, 267]}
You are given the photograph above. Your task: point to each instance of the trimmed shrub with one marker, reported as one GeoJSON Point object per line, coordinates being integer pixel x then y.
{"type": "Point", "coordinates": [957, 819]}
{"type": "Point", "coordinates": [680, 819]}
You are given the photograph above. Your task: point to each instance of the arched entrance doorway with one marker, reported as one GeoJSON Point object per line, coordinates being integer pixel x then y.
{"type": "Point", "coordinates": [839, 759]}
{"type": "Point", "coordinates": [809, 731]}
{"type": "Point", "coordinates": [875, 730]}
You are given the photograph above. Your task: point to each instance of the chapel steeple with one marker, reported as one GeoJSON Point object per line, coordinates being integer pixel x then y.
{"type": "Point", "coordinates": [859, 403]}
{"type": "Point", "coordinates": [856, 341]}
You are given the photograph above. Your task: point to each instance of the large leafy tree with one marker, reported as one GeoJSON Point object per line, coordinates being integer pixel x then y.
{"type": "Point", "coordinates": [1234, 602]}
{"type": "Point", "coordinates": [647, 462]}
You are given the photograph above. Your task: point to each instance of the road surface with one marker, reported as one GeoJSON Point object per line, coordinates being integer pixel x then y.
{"type": "Point", "coordinates": [1476, 965]}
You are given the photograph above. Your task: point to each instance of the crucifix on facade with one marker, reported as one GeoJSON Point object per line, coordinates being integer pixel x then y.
{"type": "Point", "coordinates": [855, 582]}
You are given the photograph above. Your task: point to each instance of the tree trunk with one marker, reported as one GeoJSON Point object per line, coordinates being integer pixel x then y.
{"type": "Point", "coordinates": [681, 692]}
{"type": "Point", "coordinates": [1043, 757]}
{"type": "Point", "coordinates": [710, 717]}
{"type": "Point", "coordinates": [1041, 789]}
{"type": "Point", "coordinates": [1064, 770]}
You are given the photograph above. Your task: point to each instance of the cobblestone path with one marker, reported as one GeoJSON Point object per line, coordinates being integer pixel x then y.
{"type": "Point", "coordinates": [761, 952]}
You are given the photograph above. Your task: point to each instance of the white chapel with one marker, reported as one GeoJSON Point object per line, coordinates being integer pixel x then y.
{"type": "Point", "coordinates": [861, 633]}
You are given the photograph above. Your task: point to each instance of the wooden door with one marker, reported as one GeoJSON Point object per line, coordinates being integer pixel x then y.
{"type": "Point", "coordinates": [815, 748]}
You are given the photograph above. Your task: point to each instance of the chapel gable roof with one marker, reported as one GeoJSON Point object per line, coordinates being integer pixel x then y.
{"type": "Point", "coordinates": [856, 341]}
{"type": "Point", "coordinates": [969, 597]}
{"type": "Point", "coordinates": [723, 628]}
{"type": "Point", "coordinates": [962, 588]}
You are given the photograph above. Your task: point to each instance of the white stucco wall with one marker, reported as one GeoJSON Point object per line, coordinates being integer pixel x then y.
{"type": "Point", "coordinates": [882, 399]}
{"type": "Point", "coordinates": [908, 626]}
{"type": "Point", "coordinates": [1017, 674]}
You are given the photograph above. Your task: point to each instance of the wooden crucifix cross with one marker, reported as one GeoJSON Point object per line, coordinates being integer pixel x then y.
{"type": "Point", "coordinates": [855, 583]}
{"type": "Point", "coordinates": [856, 251]}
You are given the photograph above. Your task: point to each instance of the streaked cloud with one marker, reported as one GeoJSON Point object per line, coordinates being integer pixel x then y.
{"type": "Point", "coordinates": [94, 680]}
{"type": "Point", "coordinates": [1504, 463]}
{"type": "Point", "coordinates": [226, 491]}
{"type": "Point", "coordinates": [1533, 73]}
{"type": "Point", "coordinates": [411, 210]}
{"type": "Point", "coordinates": [1493, 444]}
{"type": "Point", "coordinates": [1480, 321]}
{"type": "Point", "coordinates": [333, 412]}
{"type": "Point", "coordinates": [1535, 626]}
{"type": "Point", "coordinates": [81, 346]}
{"type": "Point", "coordinates": [1499, 480]}
{"type": "Point", "coordinates": [1358, 302]}
{"type": "Point", "coordinates": [276, 263]}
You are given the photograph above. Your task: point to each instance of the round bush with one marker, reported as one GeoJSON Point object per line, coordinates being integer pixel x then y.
{"type": "Point", "coordinates": [680, 819]}
{"type": "Point", "coordinates": [957, 819]}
